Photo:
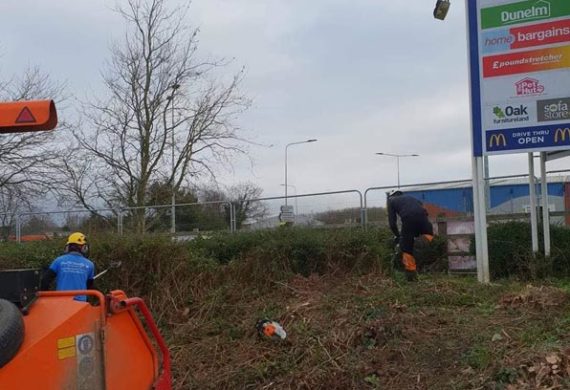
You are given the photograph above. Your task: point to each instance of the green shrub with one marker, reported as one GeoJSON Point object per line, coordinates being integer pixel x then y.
{"type": "Point", "coordinates": [431, 257]}
{"type": "Point", "coordinates": [30, 254]}
{"type": "Point", "coordinates": [300, 250]}
{"type": "Point", "coordinates": [509, 249]}
{"type": "Point", "coordinates": [560, 250]}
{"type": "Point", "coordinates": [225, 247]}
{"type": "Point", "coordinates": [278, 252]}
{"type": "Point", "coordinates": [510, 252]}
{"type": "Point", "coordinates": [260, 257]}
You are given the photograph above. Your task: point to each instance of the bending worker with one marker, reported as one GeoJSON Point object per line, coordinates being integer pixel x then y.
{"type": "Point", "coordinates": [415, 223]}
{"type": "Point", "coordinates": [72, 270]}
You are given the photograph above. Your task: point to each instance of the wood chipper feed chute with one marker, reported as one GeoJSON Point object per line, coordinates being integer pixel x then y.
{"type": "Point", "coordinates": [70, 344]}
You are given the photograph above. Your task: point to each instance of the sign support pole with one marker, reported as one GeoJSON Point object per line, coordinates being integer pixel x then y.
{"type": "Point", "coordinates": [532, 195]}
{"type": "Point", "coordinates": [478, 165]}
{"type": "Point", "coordinates": [483, 220]}
{"type": "Point", "coordinates": [487, 184]}
{"type": "Point", "coordinates": [480, 216]}
{"type": "Point", "coordinates": [545, 211]}
{"type": "Point", "coordinates": [477, 221]}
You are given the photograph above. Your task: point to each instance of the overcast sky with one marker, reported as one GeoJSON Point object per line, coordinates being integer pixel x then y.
{"type": "Point", "coordinates": [361, 76]}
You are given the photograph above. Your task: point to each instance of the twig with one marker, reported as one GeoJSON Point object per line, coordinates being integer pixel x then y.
{"type": "Point", "coordinates": [287, 286]}
{"type": "Point", "coordinates": [329, 355]}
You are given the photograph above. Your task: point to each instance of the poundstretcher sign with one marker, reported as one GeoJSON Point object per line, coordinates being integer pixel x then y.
{"type": "Point", "coordinates": [520, 75]}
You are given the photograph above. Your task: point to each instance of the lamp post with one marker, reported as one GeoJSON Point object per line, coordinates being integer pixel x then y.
{"type": "Point", "coordinates": [398, 160]}
{"type": "Point", "coordinates": [286, 148]}
{"type": "Point", "coordinates": [441, 9]}
{"type": "Point", "coordinates": [174, 87]}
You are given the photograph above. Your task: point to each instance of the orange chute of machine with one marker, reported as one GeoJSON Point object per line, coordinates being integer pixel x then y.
{"type": "Point", "coordinates": [25, 116]}
{"type": "Point", "coordinates": [70, 344]}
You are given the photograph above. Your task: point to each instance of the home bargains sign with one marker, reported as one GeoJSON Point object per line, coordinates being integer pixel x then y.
{"type": "Point", "coordinates": [520, 75]}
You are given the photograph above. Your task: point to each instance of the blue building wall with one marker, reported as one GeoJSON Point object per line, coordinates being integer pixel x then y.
{"type": "Point", "coordinates": [505, 193]}
{"type": "Point", "coordinates": [461, 199]}
{"type": "Point", "coordinates": [456, 199]}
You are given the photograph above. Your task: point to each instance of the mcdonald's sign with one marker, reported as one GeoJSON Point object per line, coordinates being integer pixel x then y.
{"type": "Point", "coordinates": [24, 116]}
{"type": "Point", "coordinates": [561, 134]}
{"type": "Point", "coordinates": [497, 140]}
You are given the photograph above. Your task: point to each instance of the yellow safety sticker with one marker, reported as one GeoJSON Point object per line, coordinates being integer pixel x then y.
{"type": "Point", "coordinates": [65, 353]}
{"type": "Point", "coordinates": [66, 342]}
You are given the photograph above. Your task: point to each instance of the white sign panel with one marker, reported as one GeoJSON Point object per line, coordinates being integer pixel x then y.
{"type": "Point", "coordinates": [520, 75]}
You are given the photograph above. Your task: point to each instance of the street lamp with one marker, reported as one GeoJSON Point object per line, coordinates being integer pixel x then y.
{"type": "Point", "coordinates": [287, 147]}
{"type": "Point", "coordinates": [295, 188]}
{"type": "Point", "coordinates": [174, 87]}
{"type": "Point", "coordinates": [398, 160]}
{"type": "Point", "coordinates": [441, 9]}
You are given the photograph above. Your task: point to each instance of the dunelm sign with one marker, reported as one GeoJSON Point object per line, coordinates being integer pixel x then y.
{"type": "Point", "coordinates": [523, 12]}
{"type": "Point", "coordinates": [532, 13]}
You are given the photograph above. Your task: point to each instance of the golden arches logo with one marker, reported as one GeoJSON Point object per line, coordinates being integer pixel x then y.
{"type": "Point", "coordinates": [497, 140]}
{"type": "Point", "coordinates": [561, 135]}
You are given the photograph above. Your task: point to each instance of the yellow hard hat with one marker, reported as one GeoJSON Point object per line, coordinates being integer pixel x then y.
{"type": "Point", "coordinates": [77, 238]}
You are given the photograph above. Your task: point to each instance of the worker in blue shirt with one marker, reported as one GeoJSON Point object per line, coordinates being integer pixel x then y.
{"type": "Point", "coordinates": [72, 270]}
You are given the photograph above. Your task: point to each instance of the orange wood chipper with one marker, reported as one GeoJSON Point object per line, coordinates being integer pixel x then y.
{"type": "Point", "coordinates": [61, 343]}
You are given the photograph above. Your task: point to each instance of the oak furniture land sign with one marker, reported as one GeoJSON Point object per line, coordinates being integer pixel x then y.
{"type": "Point", "coordinates": [520, 75]}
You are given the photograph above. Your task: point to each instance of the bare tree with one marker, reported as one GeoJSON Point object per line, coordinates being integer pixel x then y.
{"type": "Point", "coordinates": [242, 195]}
{"type": "Point", "coordinates": [12, 202]}
{"type": "Point", "coordinates": [25, 157]}
{"type": "Point", "coordinates": [163, 104]}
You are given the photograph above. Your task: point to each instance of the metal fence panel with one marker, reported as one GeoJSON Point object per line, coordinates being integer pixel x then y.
{"type": "Point", "coordinates": [190, 219]}
{"type": "Point", "coordinates": [333, 209]}
{"type": "Point", "coordinates": [34, 226]}
{"type": "Point", "coordinates": [326, 209]}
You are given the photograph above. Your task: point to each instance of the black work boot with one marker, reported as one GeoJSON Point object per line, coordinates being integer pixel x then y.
{"type": "Point", "coordinates": [411, 276]}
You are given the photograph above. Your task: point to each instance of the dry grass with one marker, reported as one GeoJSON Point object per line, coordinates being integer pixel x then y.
{"type": "Point", "coordinates": [355, 332]}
